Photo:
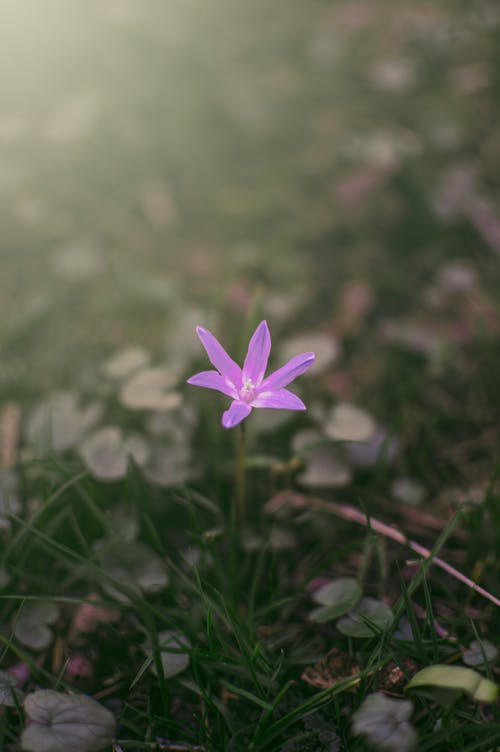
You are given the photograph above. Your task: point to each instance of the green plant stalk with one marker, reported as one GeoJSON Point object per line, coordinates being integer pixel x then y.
{"type": "Point", "coordinates": [240, 479]}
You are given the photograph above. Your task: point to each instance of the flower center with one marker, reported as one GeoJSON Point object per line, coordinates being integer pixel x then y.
{"type": "Point", "coordinates": [247, 391]}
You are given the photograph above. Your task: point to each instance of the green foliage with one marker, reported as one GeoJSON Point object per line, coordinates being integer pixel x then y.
{"type": "Point", "coordinates": [445, 683]}
{"type": "Point", "coordinates": [329, 166]}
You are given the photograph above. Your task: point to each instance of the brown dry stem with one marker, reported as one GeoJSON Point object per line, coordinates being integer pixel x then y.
{"type": "Point", "coordinates": [351, 514]}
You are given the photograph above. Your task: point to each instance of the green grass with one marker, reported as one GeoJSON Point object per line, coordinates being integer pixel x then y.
{"type": "Point", "coordinates": [219, 164]}
{"type": "Point", "coordinates": [241, 691]}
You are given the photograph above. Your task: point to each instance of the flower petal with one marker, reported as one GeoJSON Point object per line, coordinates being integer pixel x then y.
{"type": "Point", "coordinates": [219, 357]}
{"type": "Point", "coordinates": [287, 373]}
{"type": "Point", "coordinates": [212, 380]}
{"type": "Point", "coordinates": [280, 399]}
{"type": "Point", "coordinates": [257, 356]}
{"type": "Point", "coordinates": [236, 413]}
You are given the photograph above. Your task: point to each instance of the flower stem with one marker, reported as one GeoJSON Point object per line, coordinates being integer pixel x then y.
{"type": "Point", "coordinates": [240, 475]}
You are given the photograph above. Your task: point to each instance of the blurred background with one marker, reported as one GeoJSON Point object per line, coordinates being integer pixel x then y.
{"type": "Point", "coordinates": [332, 163]}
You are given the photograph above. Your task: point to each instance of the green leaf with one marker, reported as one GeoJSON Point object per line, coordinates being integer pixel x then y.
{"type": "Point", "coordinates": [337, 598]}
{"type": "Point", "coordinates": [369, 616]}
{"type": "Point", "coordinates": [445, 683]}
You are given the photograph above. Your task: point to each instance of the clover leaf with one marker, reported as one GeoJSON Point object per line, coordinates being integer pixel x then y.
{"type": "Point", "coordinates": [368, 616]}
{"type": "Point", "coordinates": [336, 598]}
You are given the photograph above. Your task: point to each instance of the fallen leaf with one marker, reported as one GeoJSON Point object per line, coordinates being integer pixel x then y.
{"type": "Point", "coordinates": [125, 362]}
{"type": "Point", "coordinates": [385, 722]}
{"type": "Point", "coordinates": [324, 468]}
{"type": "Point", "coordinates": [335, 667]}
{"type": "Point", "coordinates": [88, 616]}
{"type": "Point", "coordinates": [60, 423]}
{"type": "Point", "coordinates": [336, 598]}
{"type": "Point", "coordinates": [106, 452]}
{"type": "Point", "coordinates": [60, 722]}
{"type": "Point", "coordinates": [445, 683]}
{"type": "Point", "coordinates": [480, 653]}
{"type": "Point", "coordinates": [151, 389]}
{"type": "Point", "coordinates": [174, 649]}
{"type": "Point", "coordinates": [32, 624]}
{"type": "Point", "coordinates": [325, 346]}
{"type": "Point", "coordinates": [368, 612]}
{"type": "Point", "coordinates": [10, 694]}
{"type": "Point", "coordinates": [346, 422]}
{"type": "Point", "coordinates": [133, 564]}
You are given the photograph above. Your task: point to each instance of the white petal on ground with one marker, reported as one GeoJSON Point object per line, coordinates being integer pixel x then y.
{"type": "Point", "coordinates": [175, 425]}
{"type": "Point", "coordinates": [60, 722]}
{"type": "Point", "coordinates": [170, 465]}
{"type": "Point", "coordinates": [408, 490]}
{"type": "Point", "coordinates": [31, 624]}
{"type": "Point", "coordinates": [60, 423]}
{"type": "Point", "coordinates": [346, 422]}
{"type": "Point", "coordinates": [325, 469]}
{"type": "Point", "coordinates": [125, 362]}
{"type": "Point", "coordinates": [10, 694]}
{"type": "Point", "coordinates": [78, 261]}
{"type": "Point", "coordinates": [479, 651]}
{"type": "Point", "coordinates": [133, 564]}
{"type": "Point", "coordinates": [380, 447]}
{"type": "Point", "coordinates": [305, 439]}
{"type": "Point", "coordinates": [137, 447]}
{"type": "Point", "coordinates": [151, 389]}
{"type": "Point", "coordinates": [385, 722]}
{"type": "Point", "coordinates": [416, 337]}
{"type": "Point", "coordinates": [104, 454]}
{"type": "Point", "coordinates": [325, 346]}
{"type": "Point", "coordinates": [174, 648]}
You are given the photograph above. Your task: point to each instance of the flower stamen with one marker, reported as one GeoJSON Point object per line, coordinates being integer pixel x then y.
{"type": "Point", "coordinates": [247, 390]}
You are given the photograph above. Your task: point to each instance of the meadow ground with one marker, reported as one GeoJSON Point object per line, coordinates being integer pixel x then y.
{"type": "Point", "coordinates": [331, 167]}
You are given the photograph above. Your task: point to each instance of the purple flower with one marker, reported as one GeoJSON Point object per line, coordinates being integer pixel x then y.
{"type": "Point", "coordinates": [247, 386]}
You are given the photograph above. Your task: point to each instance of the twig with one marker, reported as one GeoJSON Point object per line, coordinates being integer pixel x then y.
{"type": "Point", "coordinates": [166, 746]}
{"type": "Point", "coordinates": [10, 420]}
{"type": "Point", "coordinates": [160, 745]}
{"type": "Point", "coordinates": [351, 514]}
